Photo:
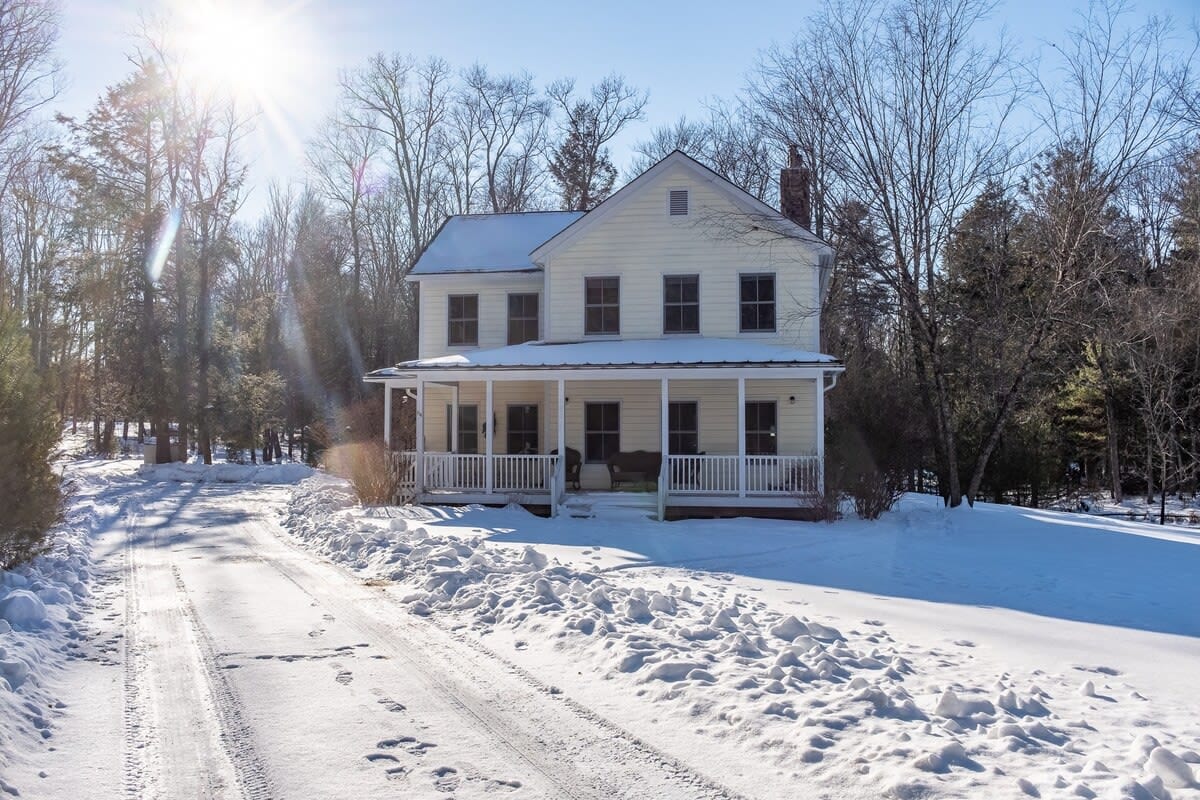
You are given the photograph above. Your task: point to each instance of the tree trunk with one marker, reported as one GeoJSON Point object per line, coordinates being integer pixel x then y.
{"type": "Point", "coordinates": [1114, 453]}
{"type": "Point", "coordinates": [204, 433]}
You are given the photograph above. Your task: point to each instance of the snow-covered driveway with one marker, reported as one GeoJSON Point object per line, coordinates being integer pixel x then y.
{"type": "Point", "coordinates": [251, 668]}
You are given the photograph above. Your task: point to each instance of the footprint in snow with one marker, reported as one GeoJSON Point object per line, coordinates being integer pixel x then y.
{"type": "Point", "coordinates": [445, 779]}
{"type": "Point", "coordinates": [391, 705]}
{"type": "Point", "coordinates": [344, 677]}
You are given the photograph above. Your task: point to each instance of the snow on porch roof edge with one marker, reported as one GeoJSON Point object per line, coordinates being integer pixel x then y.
{"type": "Point", "coordinates": [621, 354]}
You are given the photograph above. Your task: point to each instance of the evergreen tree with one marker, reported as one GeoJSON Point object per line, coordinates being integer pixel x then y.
{"type": "Point", "coordinates": [581, 168]}
{"type": "Point", "coordinates": [28, 438]}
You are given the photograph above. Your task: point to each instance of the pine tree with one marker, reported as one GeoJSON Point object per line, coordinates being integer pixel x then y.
{"type": "Point", "coordinates": [28, 438]}
{"type": "Point", "coordinates": [581, 166]}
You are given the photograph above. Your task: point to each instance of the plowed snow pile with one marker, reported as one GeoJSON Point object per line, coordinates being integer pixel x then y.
{"type": "Point", "coordinates": [744, 646]}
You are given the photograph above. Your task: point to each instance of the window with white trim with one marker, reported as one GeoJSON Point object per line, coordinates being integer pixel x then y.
{"type": "Point", "coordinates": [522, 434]}
{"type": "Point", "coordinates": [602, 306]}
{"type": "Point", "coordinates": [683, 427]}
{"type": "Point", "coordinates": [681, 304]}
{"type": "Point", "coordinates": [601, 431]}
{"type": "Point", "coordinates": [468, 428]}
{"type": "Point", "coordinates": [463, 320]}
{"type": "Point", "coordinates": [761, 438]}
{"type": "Point", "coordinates": [522, 318]}
{"type": "Point", "coordinates": [758, 302]}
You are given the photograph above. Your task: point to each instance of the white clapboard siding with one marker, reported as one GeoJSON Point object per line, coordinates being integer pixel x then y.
{"type": "Point", "coordinates": [493, 291]}
{"type": "Point", "coordinates": [642, 241]}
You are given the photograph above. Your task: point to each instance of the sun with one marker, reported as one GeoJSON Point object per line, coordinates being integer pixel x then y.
{"type": "Point", "coordinates": [234, 48]}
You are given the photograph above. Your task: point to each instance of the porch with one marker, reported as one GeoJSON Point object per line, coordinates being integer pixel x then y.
{"type": "Point", "coordinates": [683, 480]}
{"type": "Point", "coordinates": [737, 432]}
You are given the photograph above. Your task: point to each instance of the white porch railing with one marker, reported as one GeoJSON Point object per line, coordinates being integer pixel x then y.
{"type": "Point", "coordinates": [765, 475]}
{"type": "Point", "coordinates": [467, 472]}
{"type": "Point", "coordinates": [702, 475]}
{"type": "Point", "coordinates": [522, 473]}
{"type": "Point", "coordinates": [693, 475]}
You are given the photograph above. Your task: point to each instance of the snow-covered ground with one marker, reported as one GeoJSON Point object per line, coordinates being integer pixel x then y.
{"type": "Point", "coordinates": [994, 651]}
{"type": "Point", "coordinates": [199, 643]}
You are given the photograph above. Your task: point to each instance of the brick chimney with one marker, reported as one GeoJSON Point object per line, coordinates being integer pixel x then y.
{"type": "Point", "coordinates": [795, 189]}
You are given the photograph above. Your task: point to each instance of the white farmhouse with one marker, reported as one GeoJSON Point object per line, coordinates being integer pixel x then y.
{"type": "Point", "coordinates": [679, 317]}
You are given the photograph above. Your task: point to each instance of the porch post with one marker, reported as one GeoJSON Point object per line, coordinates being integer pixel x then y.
{"type": "Point", "coordinates": [741, 436]}
{"type": "Point", "coordinates": [664, 469]}
{"type": "Point", "coordinates": [489, 431]}
{"type": "Point", "coordinates": [419, 482]}
{"type": "Point", "coordinates": [454, 418]}
{"type": "Point", "coordinates": [561, 469]}
{"type": "Point", "coordinates": [387, 416]}
{"type": "Point", "coordinates": [821, 434]}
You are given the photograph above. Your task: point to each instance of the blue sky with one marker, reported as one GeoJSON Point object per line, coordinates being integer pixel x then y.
{"type": "Point", "coordinates": [682, 53]}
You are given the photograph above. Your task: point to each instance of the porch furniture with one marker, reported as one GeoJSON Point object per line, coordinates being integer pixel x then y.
{"type": "Point", "coordinates": [635, 466]}
{"type": "Point", "coordinates": [574, 463]}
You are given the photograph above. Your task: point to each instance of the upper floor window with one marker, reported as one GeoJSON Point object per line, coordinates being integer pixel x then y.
{"type": "Point", "coordinates": [677, 202]}
{"type": "Point", "coordinates": [602, 305]}
{"type": "Point", "coordinates": [758, 302]}
{"type": "Point", "coordinates": [681, 304]}
{"type": "Point", "coordinates": [463, 320]}
{"type": "Point", "coordinates": [522, 318]}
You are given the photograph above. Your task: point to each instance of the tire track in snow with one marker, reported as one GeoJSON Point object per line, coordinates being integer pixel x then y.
{"type": "Point", "coordinates": [183, 727]}
{"type": "Point", "coordinates": [136, 740]}
{"type": "Point", "coordinates": [545, 730]}
{"type": "Point", "coordinates": [237, 737]}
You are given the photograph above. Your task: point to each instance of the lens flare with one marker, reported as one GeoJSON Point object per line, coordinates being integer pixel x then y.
{"type": "Point", "coordinates": [157, 258]}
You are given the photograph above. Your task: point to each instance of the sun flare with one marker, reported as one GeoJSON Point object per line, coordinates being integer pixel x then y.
{"type": "Point", "coordinates": [238, 49]}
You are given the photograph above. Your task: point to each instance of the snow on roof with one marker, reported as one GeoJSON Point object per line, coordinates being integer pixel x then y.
{"type": "Point", "coordinates": [490, 242]}
{"type": "Point", "coordinates": [698, 351]}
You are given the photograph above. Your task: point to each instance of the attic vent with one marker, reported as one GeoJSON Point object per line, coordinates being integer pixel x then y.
{"type": "Point", "coordinates": [679, 202]}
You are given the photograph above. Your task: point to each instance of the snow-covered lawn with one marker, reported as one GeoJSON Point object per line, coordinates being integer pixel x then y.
{"type": "Point", "coordinates": [994, 651]}
{"type": "Point", "coordinates": [987, 652]}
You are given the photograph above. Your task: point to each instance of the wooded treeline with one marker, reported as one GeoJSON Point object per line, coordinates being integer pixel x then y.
{"type": "Point", "coordinates": [1018, 243]}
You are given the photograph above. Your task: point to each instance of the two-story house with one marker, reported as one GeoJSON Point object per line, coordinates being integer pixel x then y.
{"type": "Point", "coordinates": [680, 317]}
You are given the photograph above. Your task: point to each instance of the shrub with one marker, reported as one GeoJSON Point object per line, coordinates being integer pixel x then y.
{"type": "Point", "coordinates": [367, 466]}
{"type": "Point", "coordinates": [29, 489]}
{"type": "Point", "coordinates": [852, 468]}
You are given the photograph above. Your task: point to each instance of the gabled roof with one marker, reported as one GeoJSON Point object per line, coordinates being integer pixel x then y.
{"type": "Point", "coordinates": [617, 354]}
{"type": "Point", "coordinates": [490, 242]}
{"type": "Point", "coordinates": [764, 215]}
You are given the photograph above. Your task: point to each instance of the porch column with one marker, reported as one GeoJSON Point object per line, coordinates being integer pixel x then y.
{"type": "Point", "coordinates": [665, 422]}
{"type": "Point", "coordinates": [489, 432]}
{"type": "Point", "coordinates": [387, 416]}
{"type": "Point", "coordinates": [419, 481]}
{"type": "Point", "coordinates": [561, 469]}
{"type": "Point", "coordinates": [820, 433]}
{"type": "Point", "coordinates": [454, 418]}
{"type": "Point", "coordinates": [741, 436]}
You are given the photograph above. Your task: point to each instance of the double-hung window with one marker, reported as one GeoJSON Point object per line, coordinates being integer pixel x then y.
{"type": "Point", "coordinates": [463, 316]}
{"type": "Point", "coordinates": [602, 306]}
{"type": "Point", "coordinates": [761, 439]}
{"type": "Point", "coordinates": [522, 318]}
{"type": "Point", "coordinates": [522, 435]}
{"type": "Point", "coordinates": [757, 302]}
{"type": "Point", "coordinates": [601, 431]}
{"type": "Point", "coordinates": [468, 428]}
{"type": "Point", "coordinates": [681, 304]}
{"type": "Point", "coordinates": [683, 428]}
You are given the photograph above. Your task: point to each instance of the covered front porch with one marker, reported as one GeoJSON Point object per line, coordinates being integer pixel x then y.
{"type": "Point", "coordinates": [736, 433]}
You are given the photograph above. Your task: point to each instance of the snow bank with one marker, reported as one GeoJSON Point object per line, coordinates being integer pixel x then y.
{"type": "Point", "coordinates": [841, 702]}
{"type": "Point", "coordinates": [276, 474]}
{"type": "Point", "coordinates": [40, 615]}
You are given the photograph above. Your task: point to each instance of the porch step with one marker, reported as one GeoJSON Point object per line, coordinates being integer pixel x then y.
{"type": "Point", "coordinates": [611, 505]}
